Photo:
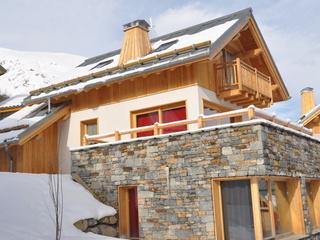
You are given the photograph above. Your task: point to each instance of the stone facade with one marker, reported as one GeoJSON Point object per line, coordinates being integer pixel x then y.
{"type": "Point", "coordinates": [179, 205]}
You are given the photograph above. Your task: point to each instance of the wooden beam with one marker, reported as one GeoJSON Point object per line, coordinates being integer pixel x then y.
{"type": "Point", "coordinates": [249, 54]}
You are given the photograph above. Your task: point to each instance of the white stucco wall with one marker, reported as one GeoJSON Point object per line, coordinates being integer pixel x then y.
{"type": "Point", "coordinates": [117, 116]}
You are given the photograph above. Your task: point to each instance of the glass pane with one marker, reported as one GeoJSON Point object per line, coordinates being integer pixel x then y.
{"type": "Point", "coordinates": [147, 120]}
{"type": "Point", "coordinates": [208, 111]}
{"type": "Point", "coordinates": [173, 115]}
{"type": "Point", "coordinates": [237, 210]}
{"type": "Point", "coordinates": [280, 200]}
{"type": "Point", "coordinates": [265, 209]}
{"type": "Point", "coordinates": [92, 128]}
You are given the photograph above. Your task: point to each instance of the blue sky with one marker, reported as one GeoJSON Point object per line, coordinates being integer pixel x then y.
{"type": "Point", "coordinates": [92, 27]}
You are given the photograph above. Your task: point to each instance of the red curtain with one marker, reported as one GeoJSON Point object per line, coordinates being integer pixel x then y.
{"type": "Point", "coordinates": [173, 115]}
{"type": "Point", "coordinates": [133, 212]}
{"type": "Point", "coordinates": [147, 120]}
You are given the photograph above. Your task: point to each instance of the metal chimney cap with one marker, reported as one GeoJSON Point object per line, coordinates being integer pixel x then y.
{"type": "Point", "coordinates": [137, 23]}
{"type": "Point", "coordinates": [307, 89]}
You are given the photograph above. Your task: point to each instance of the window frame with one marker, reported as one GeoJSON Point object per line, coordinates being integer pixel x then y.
{"type": "Point", "coordinates": [123, 209]}
{"type": "Point", "coordinates": [296, 207]}
{"type": "Point", "coordinates": [314, 203]}
{"type": "Point", "coordinates": [84, 128]}
{"type": "Point", "coordinates": [159, 109]}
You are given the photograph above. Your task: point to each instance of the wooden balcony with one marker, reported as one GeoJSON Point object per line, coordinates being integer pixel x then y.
{"type": "Point", "coordinates": [241, 84]}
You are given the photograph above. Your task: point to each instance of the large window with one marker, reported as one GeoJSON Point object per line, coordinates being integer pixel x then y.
{"type": "Point", "coordinates": [257, 208]}
{"type": "Point", "coordinates": [161, 114]}
{"type": "Point", "coordinates": [210, 108]}
{"type": "Point", "coordinates": [89, 127]}
{"type": "Point", "coordinates": [128, 212]}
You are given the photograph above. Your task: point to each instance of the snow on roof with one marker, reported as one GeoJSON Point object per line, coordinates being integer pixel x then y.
{"type": "Point", "coordinates": [15, 101]}
{"type": "Point", "coordinates": [210, 34]}
{"type": "Point", "coordinates": [309, 114]}
{"type": "Point", "coordinates": [27, 210]}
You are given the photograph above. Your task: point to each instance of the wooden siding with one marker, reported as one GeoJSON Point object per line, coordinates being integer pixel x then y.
{"type": "Point", "coordinates": [200, 73]}
{"type": "Point", "coordinates": [38, 155]}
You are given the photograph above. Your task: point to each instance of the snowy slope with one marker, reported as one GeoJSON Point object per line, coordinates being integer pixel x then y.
{"type": "Point", "coordinates": [27, 209]}
{"type": "Point", "coordinates": [28, 71]}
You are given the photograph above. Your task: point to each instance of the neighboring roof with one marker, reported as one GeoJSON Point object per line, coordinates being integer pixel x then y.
{"type": "Point", "coordinates": [27, 121]}
{"type": "Point", "coordinates": [2, 70]}
{"type": "Point", "coordinates": [13, 103]}
{"type": "Point", "coordinates": [193, 43]}
{"type": "Point", "coordinates": [309, 116]}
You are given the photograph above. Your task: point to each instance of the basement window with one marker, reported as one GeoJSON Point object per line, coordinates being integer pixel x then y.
{"type": "Point", "coordinates": [103, 64]}
{"type": "Point", "coordinates": [165, 46]}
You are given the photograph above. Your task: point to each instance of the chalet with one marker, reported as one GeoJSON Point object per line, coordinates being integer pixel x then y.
{"type": "Point", "coordinates": [170, 132]}
{"type": "Point", "coordinates": [310, 111]}
{"type": "Point", "coordinates": [2, 70]}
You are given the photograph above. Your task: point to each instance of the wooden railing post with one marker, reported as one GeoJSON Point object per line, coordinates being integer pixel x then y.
{"type": "Point", "coordinates": [156, 128]}
{"type": "Point", "coordinates": [251, 113]}
{"type": "Point", "coordinates": [84, 141]}
{"type": "Point", "coordinates": [117, 135]}
{"type": "Point", "coordinates": [200, 121]}
{"type": "Point", "coordinates": [238, 73]}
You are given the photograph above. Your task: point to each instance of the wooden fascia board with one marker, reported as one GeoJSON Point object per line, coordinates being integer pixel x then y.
{"type": "Point", "coordinates": [57, 116]}
{"type": "Point", "coordinates": [11, 109]}
{"type": "Point", "coordinates": [268, 59]}
{"type": "Point", "coordinates": [225, 39]}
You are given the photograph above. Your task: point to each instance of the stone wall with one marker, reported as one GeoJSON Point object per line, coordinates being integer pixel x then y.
{"type": "Point", "coordinates": [183, 209]}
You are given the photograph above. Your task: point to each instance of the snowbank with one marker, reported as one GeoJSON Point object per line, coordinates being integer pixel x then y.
{"type": "Point", "coordinates": [27, 209]}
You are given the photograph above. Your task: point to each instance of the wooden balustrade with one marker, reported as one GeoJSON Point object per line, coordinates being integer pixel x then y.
{"type": "Point", "coordinates": [251, 113]}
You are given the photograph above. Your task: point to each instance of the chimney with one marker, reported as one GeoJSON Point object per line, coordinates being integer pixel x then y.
{"type": "Point", "coordinates": [307, 100]}
{"type": "Point", "coordinates": [136, 41]}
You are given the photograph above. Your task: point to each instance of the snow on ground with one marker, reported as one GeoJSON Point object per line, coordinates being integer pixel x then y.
{"type": "Point", "coordinates": [28, 71]}
{"type": "Point", "coordinates": [26, 209]}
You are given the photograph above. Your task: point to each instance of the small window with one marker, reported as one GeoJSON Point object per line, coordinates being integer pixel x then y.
{"type": "Point", "coordinates": [89, 127]}
{"type": "Point", "coordinates": [165, 46]}
{"type": "Point", "coordinates": [103, 64]}
{"type": "Point", "coordinates": [128, 212]}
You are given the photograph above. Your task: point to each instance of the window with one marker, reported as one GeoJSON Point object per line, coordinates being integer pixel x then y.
{"type": "Point", "coordinates": [165, 46]}
{"type": "Point", "coordinates": [210, 108]}
{"type": "Point", "coordinates": [257, 208]}
{"type": "Point", "coordinates": [102, 64]}
{"type": "Point", "coordinates": [89, 127]}
{"type": "Point", "coordinates": [313, 196]}
{"type": "Point", "coordinates": [128, 212]}
{"type": "Point", "coordinates": [229, 69]}
{"type": "Point", "coordinates": [161, 114]}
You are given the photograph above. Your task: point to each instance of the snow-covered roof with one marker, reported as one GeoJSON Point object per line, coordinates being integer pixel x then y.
{"type": "Point", "coordinates": [13, 102]}
{"type": "Point", "coordinates": [199, 41]}
{"type": "Point", "coordinates": [309, 116]}
{"type": "Point", "coordinates": [27, 210]}
{"type": "Point", "coordinates": [22, 122]}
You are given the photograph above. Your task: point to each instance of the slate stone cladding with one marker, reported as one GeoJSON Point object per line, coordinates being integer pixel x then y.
{"type": "Point", "coordinates": [184, 208]}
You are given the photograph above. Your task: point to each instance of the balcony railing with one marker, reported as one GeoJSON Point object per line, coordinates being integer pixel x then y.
{"type": "Point", "coordinates": [236, 79]}
{"type": "Point", "coordinates": [249, 113]}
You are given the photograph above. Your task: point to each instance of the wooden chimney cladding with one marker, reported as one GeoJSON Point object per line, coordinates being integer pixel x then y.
{"type": "Point", "coordinates": [136, 42]}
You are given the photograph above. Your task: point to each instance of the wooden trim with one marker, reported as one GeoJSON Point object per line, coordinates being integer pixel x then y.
{"type": "Point", "coordinates": [11, 109]}
{"type": "Point", "coordinates": [256, 208]}
{"type": "Point", "coordinates": [296, 209]}
{"type": "Point", "coordinates": [213, 105]}
{"type": "Point", "coordinates": [217, 210]}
